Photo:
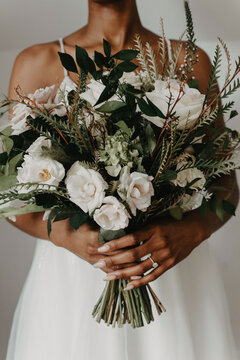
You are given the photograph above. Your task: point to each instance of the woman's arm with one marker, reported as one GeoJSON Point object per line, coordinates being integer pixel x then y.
{"type": "Point", "coordinates": [167, 240]}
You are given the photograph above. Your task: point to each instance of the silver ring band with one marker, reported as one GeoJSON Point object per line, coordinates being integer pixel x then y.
{"type": "Point", "coordinates": [154, 264]}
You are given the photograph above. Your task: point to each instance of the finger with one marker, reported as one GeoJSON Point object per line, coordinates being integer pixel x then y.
{"type": "Point", "coordinates": [126, 241]}
{"type": "Point", "coordinates": [152, 276]}
{"type": "Point", "coordinates": [130, 271]}
{"type": "Point", "coordinates": [123, 257]}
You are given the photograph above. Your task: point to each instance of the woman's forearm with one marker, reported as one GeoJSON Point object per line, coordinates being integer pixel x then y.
{"type": "Point", "coordinates": [31, 224]}
{"type": "Point", "coordinates": [210, 221]}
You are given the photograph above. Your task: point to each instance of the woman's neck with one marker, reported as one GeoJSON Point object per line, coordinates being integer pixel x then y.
{"type": "Point", "coordinates": [116, 21]}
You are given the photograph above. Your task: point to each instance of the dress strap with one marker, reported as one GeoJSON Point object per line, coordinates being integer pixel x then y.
{"type": "Point", "coordinates": [63, 51]}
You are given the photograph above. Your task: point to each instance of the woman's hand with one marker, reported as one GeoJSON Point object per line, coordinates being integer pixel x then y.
{"type": "Point", "coordinates": [168, 242]}
{"type": "Point", "coordinates": [82, 242]}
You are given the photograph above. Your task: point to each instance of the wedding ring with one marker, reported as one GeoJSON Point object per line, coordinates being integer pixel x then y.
{"type": "Point", "coordinates": [154, 264]}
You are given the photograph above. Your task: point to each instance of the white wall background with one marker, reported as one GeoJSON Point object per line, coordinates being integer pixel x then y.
{"type": "Point", "coordinates": [25, 22]}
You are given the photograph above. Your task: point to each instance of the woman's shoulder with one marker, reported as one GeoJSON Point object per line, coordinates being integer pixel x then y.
{"type": "Point", "coordinates": [37, 66]}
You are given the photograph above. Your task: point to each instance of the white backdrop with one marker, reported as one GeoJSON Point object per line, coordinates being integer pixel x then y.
{"type": "Point", "coordinates": [25, 22]}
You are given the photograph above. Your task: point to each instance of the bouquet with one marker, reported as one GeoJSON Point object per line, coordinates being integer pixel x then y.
{"type": "Point", "coordinates": [126, 145]}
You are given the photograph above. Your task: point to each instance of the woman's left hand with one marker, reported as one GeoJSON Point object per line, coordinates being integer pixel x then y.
{"type": "Point", "coordinates": [168, 241]}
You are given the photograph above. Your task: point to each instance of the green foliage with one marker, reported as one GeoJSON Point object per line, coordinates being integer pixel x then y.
{"type": "Point", "coordinates": [126, 55]}
{"type": "Point", "coordinates": [215, 71]}
{"type": "Point", "coordinates": [111, 106]}
{"type": "Point", "coordinates": [85, 63]}
{"type": "Point", "coordinates": [68, 62]}
{"type": "Point", "coordinates": [108, 235]}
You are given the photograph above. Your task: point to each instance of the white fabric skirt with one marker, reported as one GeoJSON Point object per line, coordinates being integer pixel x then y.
{"type": "Point", "coordinates": [53, 320]}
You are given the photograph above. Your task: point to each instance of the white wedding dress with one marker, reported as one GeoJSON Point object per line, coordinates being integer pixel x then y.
{"type": "Point", "coordinates": [53, 321]}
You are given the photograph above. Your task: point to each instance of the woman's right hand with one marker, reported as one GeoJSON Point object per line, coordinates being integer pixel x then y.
{"type": "Point", "coordinates": [82, 242]}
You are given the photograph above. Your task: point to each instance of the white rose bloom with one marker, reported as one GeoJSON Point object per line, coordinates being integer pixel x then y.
{"type": "Point", "coordinates": [186, 176]}
{"type": "Point", "coordinates": [86, 187]}
{"type": "Point", "coordinates": [36, 148]}
{"type": "Point", "coordinates": [93, 92]}
{"type": "Point", "coordinates": [188, 108]}
{"type": "Point", "coordinates": [136, 189]}
{"type": "Point", "coordinates": [39, 170]}
{"type": "Point", "coordinates": [194, 201]}
{"type": "Point", "coordinates": [18, 118]}
{"type": "Point", "coordinates": [44, 98]}
{"type": "Point", "coordinates": [112, 215]}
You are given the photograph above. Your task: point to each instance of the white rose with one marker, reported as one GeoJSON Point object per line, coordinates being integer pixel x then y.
{"type": "Point", "coordinates": [86, 187]}
{"type": "Point", "coordinates": [187, 109]}
{"type": "Point", "coordinates": [44, 98]}
{"type": "Point", "coordinates": [18, 118]}
{"type": "Point", "coordinates": [36, 148]}
{"type": "Point", "coordinates": [133, 79]}
{"type": "Point", "coordinates": [39, 170]}
{"type": "Point", "coordinates": [191, 202]}
{"type": "Point", "coordinates": [93, 92]}
{"type": "Point", "coordinates": [186, 176]}
{"type": "Point", "coordinates": [136, 189]}
{"type": "Point", "coordinates": [112, 215]}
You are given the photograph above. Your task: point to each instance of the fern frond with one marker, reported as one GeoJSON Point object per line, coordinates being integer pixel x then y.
{"type": "Point", "coordinates": [152, 61]}
{"type": "Point", "coordinates": [163, 49]}
{"type": "Point", "coordinates": [232, 88]}
{"type": "Point", "coordinates": [175, 57]}
{"type": "Point", "coordinates": [228, 57]}
{"type": "Point", "coordinates": [214, 74]}
{"type": "Point", "coordinates": [141, 57]}
{"type": "Point", "coordinates": [191, 48]}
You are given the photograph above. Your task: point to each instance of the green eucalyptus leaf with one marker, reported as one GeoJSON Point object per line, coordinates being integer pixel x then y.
{"type": "Point", "coordinates": [126, 54]}
{"type": "Point", "coordinates": [111, 106]}
{"type": "Point", "coordinates": [68, 62]}
{"type": "Point", "coordinates": [107, 93]}
{"type": "Point", "coordinates": [158, 112]}
{"type": "Point", "coordinates": [145, 107]}
{"type": "Point", "coordinates": [7, 131]}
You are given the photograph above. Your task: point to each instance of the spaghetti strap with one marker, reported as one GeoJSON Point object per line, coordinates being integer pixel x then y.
{"type": "Point", "coordinates": [62, 50]}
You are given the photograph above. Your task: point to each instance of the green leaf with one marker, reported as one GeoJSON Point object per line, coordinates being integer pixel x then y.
{"type": "Point", "coordinates": [151, 140]}
{"type": "Point", "coordinates": [13, 211]}
{"type": "Point", "coordinates": [3, 158]}
{"type": "Point", "coordinates": [233, 114]}
{"type": "Point", "coordinates": [157, 110]}
{"type": "Point", "coordinates": [68, 62]}
{"type": "Point", "coordinates": [99, 59]}
{"type": "Point", "coordinates": [123, 127]}
{"type": "Point", "coordinates": [212, 202]}
{"type": "Point", "coordinates": [176, 213]}
{"type": "Point", "coordinates": [13, 163]}
{"type": "Point", "coordinates": [6, 182]}
{"type": "Point", "coordinates": [97, 74]}
{"type": "Point", "coordinates": [108, 235]}
{"type": "Point", "coordinates": [84, 61]}
{"type": "Point", "coordinates": [229, 207]}
{"type": "Point", "coordinates": [203, 207]}
{"type": "Point", "coordinates": [220, 212]}
{"type": "Point", "coordinates": [145, 107]}
{"type": "Point", "coordinates": [107, 93]}
{"type": "Point", "coordinates": [7, 131]}
{"type": "Point", "coordinates": [126, 66]}
{"type": "Point", "coordinates": [78, 219]}
{"type": "Point", "coordinates": [51, 217]}
{"type": "Point", "coordinates": [107, 48]}
{"type": "Point", "coordinates": [193, 83]}
{"type": "Point", "coordinates": [111, 106]}
{"type": "Point", "coordinates": [168, 175]}
{"type": "Point", "coordinates": [126, 54]}
{"type": "Point", "coordinates": [7, 143]}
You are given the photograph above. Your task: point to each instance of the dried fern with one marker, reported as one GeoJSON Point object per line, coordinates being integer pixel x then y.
{"type": "Point", "coordinates": [152, 62]}
{"type": "Point", "coordinates": [141, 57]}
{"type": "Point", "coordinates": [228, 57]}
{"type": "Point", "coordinates": [175, 57]}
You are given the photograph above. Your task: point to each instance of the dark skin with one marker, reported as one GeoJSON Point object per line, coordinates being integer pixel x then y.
{"type": "Point", "coordinates": [169, 241]}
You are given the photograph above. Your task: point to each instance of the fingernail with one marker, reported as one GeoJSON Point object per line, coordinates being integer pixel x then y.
{"type": "Point", "coordinates": [104, 248]}
{"type": "Point", "coordinates": [135, 277]}
{"type": "Point", "coordinates": [129, 287]}
{"type": "Point", "coordinates": [100, 264]}
{"type": "Point", "coordinates": [110, 277]}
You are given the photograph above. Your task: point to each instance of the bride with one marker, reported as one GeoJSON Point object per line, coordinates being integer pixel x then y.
{"type": "Point", "coordinates": [52, 320]}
